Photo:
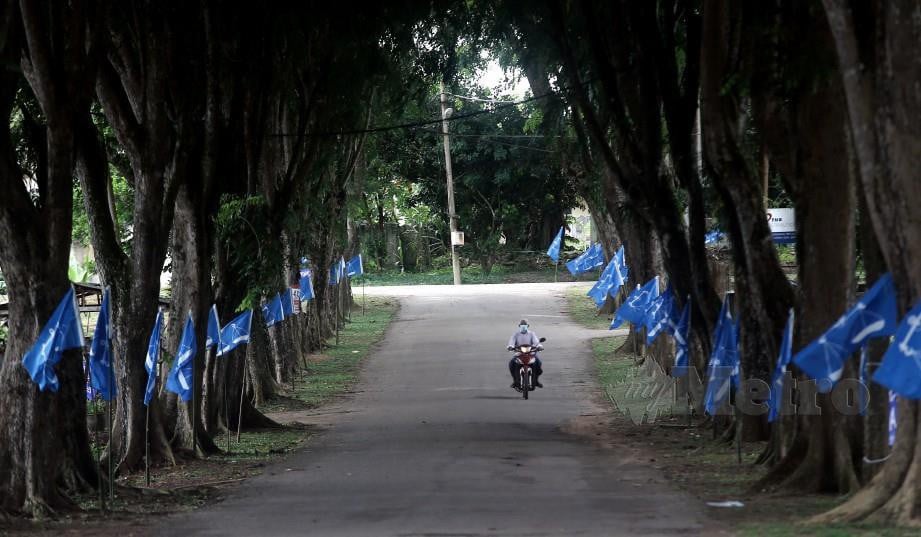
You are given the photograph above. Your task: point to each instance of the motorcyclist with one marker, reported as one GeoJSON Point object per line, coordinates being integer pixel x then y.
{"type": "Point", "coordinates": [523, 336]}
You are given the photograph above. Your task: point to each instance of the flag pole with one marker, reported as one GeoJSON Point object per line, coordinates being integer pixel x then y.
{"type": "Point", "coordinates": [102, 499]}
{"type": "Point", "coordinates": [195, 385]}
{"type": "Point", "coordinates": [556, 270]}
{"type": "Point", "coordinates": [338, 294]}
{"type": "Point", "coordinates": [364, 298]}
{"type": "Point", "coordinates": [687, 385]}
{"type": "Point", "coordinates": [226, 406]}
{"type": "Point", "coordinates": [147, 446]}
{"type": "Point", "coordinates": [242, 393]}
{"type": "Point", "coordinates": [109, 411]}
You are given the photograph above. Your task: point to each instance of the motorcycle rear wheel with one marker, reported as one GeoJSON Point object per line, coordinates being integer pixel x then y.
{"type": "Point", "coordinates": [525, 385]}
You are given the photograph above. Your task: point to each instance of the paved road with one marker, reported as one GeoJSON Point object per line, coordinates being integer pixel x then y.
{"type": "Point", "coordinates": [437, 444]}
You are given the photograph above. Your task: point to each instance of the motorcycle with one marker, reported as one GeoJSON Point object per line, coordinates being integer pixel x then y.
{"type": "Point", "coordinates": [525, 357]}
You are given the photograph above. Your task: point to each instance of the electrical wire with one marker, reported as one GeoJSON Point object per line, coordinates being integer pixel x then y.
{"type": "Point", "coordinates": [417, 124]}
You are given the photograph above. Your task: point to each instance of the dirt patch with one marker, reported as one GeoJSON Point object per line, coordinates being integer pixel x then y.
{"type": "Point", "coordinates": [317, 358]}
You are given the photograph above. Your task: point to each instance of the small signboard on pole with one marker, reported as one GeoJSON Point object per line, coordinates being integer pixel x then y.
{"type": "Point", "coordinates": [457, 238]}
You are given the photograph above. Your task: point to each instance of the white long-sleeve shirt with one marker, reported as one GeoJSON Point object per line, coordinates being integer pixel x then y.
{"type": "Point", "coordinates": [528, 338]}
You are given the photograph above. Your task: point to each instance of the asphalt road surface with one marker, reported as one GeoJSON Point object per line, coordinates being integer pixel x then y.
{"type": "Point", "coordinates": [436, 444]}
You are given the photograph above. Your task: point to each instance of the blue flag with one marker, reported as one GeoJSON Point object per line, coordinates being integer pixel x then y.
{"type": "Point", "coordinates": [620, 273]}
{"type": "Point", "coordinates": [663, 315]}
{"type": "Point", "coordinates": [306, 285]}
{"type": "Point", "coordinates": [635, 307]}
{"type": "Point", "coordinates": [900, 370]}
{"type": "Point", "coordinates": [334, 274]}
{"type": "Point", "coordinates": [723, 370]}
{"type": "Point", "coordinates": [893, 417]}
{"type": "Point", "coordinates": [337, 271]}
{"type": "Point", "coordinates": [354, 267]}
{"type": "Point", "coordinates": [153, 356]}
{"type": "Point", "coordinates": [102, 378]}
{"type": "Point", "coordinates": [612, 278]}
{"type": "Point", "coordinates": [61, 332]}
{"type": "Point", "coordinates": [713, 237]}
{"type": "Point", "coordinates": [554, 250]}
{"type": "Point", "coordinates": [599, 291]}
{"type": "Point", "coordinates": [236, 332]}
{"type": "Point", "coordinates": [874, 315]}
{"type": "Point", "coordinates": [287, 303]}
{"type": "Point", "coordinates": [214, 328]}
{"type": "Point", "coordinates": [590, 259]}
{"type": "Point", "coordinates": [181, 379]}
{"type": "Point", "coordinates": [786, 355]}
{"type": "Point", "coordinates": [682, 334]}
{"type": "Point", "coordinates": [273, 312]}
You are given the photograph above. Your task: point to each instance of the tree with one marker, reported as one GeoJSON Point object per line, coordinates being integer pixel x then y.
{"type": "Point", "coordinates": [877, 49]}
{"type": "Point", "coordinates": [34, 249]}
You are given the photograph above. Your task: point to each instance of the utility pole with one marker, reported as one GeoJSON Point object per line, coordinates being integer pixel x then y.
{"type": "Point", "coordinates": [452, 216]}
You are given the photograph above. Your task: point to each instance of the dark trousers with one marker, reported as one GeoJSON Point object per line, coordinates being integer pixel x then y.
{"type": "Point", "coordinates": [536, 367]}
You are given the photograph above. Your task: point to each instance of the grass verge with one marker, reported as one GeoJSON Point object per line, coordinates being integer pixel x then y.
{"type": "Point", "coordinates": [193, 483]}
{"type": "Point", "coordinates": [334, 371]}
{"type": "Point", "coordinates": [582, 309]}
{"type": "Point", "coordinates": [707, 468]}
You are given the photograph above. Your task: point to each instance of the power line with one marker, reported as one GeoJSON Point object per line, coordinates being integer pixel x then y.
{"type": "Point", "coordinates": [477, 99]}
{"type": "Point", "coordinates": [417, 124]}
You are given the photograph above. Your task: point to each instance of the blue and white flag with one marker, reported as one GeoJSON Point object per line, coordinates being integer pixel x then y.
{"type": "Point", "coordinates": [612, 278]}
{"type": "Point", "coordinates": [334, 271]}
{"type": "Point", "coordinates": [874, 315]}
{"type": "Point", "coordinates": [893, 417]}
{"type": "Point", "coordinates": [775, 402]}
{"type": "Point", "coordinates": [554, 250]}
{"type": "Point", "coordinates": [273, 311]}
{"type": "Point", "coordinates": [61, 332]}
{"type": "Point", "coordinates": [153, 357]}
{"type": "Point", "coordinates": [236, 332]}
{"type": "Point", "coordinates": [621, 272]}
{"type": "Point", "coordinates": [723, 370]}
{"type": "Point", "coordinates": [682, 334]}
{"type": "Point", "coordinates": [102, 378]}
{"type": "Point", "coordinates": [635, 307]}
{"type": "Point", "coordinates": [662, 316]}
{"type": "Point", "coordinates": [599, 291]}
{"type": "Point", "coordinates": [900, 370]}
{"type": "Point", "coordinates": [214, 329]}
{"type": "Point", "coordinates": [590, 259]}
{"type": "Point", "coordinates": [354, 267]}
{"type": "Point", "coordinates": [181, 377]}
{"type": "Point", "coordinates": [287, 303]}
{"type": "Point", "coordinates": [306, 285]}
{"type": "Point", "coordinates": [713, 237]}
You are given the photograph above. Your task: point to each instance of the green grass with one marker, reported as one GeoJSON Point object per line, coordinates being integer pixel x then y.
{"type": "Point", "coordinates": [257, 445]}
{"type": "Point", "coordinates": [474, 274]}
{"type": "Point", "coordinates": [582, 309]}
{"type": "Point", "coordinates": [612, 367]}
{"type": "Point", "coordinates": [335, 371]}
{"type": "Point", "coordinates": [781, 529]}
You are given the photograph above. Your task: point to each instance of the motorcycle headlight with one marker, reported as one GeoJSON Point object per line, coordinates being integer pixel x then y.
{"type": "Point", "coordinates": [525, 348]}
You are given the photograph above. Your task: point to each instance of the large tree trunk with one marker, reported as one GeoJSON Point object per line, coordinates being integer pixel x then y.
{"type": "Point", "coordinates": [725, 53]}
{"type": "Point", "coordinates": [43, 435]}
{"type": "Point", "coordinates": [805, 127]}
{"type": "Point", "coordinates": [191, 292]}
{"type": "Point", "coordinates": [877, 51]}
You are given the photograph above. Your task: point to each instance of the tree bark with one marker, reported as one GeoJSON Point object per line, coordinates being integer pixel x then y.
{"type": "Point", "coordinates": [877, 48]}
